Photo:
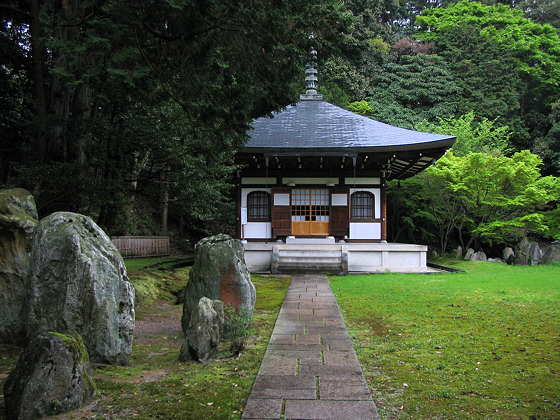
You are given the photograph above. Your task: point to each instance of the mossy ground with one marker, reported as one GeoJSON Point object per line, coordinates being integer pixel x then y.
{"type": "Point", "coordinates": [156, 384]}
{"type": "Point", "coordinates": [484, 344]}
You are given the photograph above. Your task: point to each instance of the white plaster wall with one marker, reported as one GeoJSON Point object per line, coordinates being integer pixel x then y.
{"type": "Point", "coordinates": [365, 231]}
{"type": "Point", "coordinates": [410, 259]}
{"type": "Point", "coordinates": [255, 230]}
{"type": "Point", "coordinates": [258, 230]}
{"type": "Point", "coordinates": [396, 258]}
{"type": "Point", "coordinates": [258, 180]}
{"type": "Point", "coordinates": [362, 181]}
{"type": "Point", "coordinates": [310, 181]}
{"type": "Point", "coordinates": [339, 199]}
{"type": "Point", "coordinates": [281, 199]}
{"type": "Point", "coordinates": [258, 260]}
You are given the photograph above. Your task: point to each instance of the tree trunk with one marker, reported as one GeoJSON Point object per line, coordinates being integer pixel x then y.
{"type": "Point", "coordinates": [164, 203]}
{"type": "Point", "coordinates": [38, 81]}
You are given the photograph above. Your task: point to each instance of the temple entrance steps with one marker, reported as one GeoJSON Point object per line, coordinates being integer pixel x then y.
{"type": "Point", "coordinates": [305, 258]}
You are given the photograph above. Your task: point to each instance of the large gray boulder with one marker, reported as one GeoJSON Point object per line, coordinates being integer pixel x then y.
{"type": "Point", "coordinates": [219, 272]}
{"type": "Point", "coordinates": [551, 254]}
{"type": "Point", "coordinates": [469, 254]}
{"type": "Point", "coordinates": [508, 255]}
{"type": "Point", "coordinates": [527, 253]}
{"type": "Point", "coordinates": [458, 252]}
{"type": "Point", "coordinates": [78, 283]}
{"type": "Point", "coordinates": [52, 376]}
{"type": "Point", "coordinates": [18, 218]}
{"type": "Point", "coordinates": [202, 338]}
{"type": "Point", "coordinates": [479, 256]}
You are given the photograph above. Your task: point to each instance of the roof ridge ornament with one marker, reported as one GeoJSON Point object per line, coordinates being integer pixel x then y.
{"type": "Point", "coordinates": [311, 79]}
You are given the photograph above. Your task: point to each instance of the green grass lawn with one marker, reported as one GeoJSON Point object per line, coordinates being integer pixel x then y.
{"type": "Point", "coordinates": [479, 344]}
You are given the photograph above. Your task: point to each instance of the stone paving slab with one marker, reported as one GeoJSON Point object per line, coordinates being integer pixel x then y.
{"type": "Point", "coordinates": [310, 369]}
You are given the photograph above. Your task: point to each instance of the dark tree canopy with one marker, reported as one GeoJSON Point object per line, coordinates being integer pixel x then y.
{"type": "Point", "coordinates": [107, 104]}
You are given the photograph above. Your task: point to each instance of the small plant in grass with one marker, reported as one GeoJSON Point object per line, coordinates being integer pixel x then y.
{"type": "Point", "coordinates": [238, 326]}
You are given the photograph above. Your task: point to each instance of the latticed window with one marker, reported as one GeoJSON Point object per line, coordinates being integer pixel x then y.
{"type": "Point", "coordinates": [258, 206]}
{"type": "Point", "coordinates": [362, 205]}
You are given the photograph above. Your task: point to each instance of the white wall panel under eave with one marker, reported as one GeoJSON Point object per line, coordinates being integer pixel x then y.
{"type": "Point", "coordinates": [310, 181]}
{"type": "Point", "coordinates": [258, 180]}
{"type": "Point", "coordinates": [258, 230]}
{"type": "Point", "coordinates": [362, 181]}
{"type": "Point", "coordinates": [339, 199]}
{"type": "Point", "coordinates": [365, 231]}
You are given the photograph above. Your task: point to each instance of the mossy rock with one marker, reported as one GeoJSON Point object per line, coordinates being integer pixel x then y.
{"type": "Point", "coordinates": [18, 218]}
{"type": "Point", "coordinates": [52, 376]}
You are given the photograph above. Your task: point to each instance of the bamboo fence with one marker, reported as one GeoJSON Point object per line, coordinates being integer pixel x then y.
{"type": "Point", "coordinates": [142, 246]}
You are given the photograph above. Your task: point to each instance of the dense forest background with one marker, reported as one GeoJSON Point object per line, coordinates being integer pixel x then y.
{"type": "Point", "coordinates": [131, 112]}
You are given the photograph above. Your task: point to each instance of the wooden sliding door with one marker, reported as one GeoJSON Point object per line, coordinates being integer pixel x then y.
{"type": "Point", "coordinates": [310, 212]}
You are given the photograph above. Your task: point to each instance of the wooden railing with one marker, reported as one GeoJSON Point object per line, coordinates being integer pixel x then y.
{"type": "Point", "coordinates": [142, 246]}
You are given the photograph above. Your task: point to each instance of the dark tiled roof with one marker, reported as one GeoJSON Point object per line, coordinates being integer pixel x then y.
{"type": "Point", "coordinates": [318, 126]}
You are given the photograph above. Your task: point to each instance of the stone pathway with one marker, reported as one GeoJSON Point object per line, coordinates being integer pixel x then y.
{"type": "Point", "coordinates": [310, 369]}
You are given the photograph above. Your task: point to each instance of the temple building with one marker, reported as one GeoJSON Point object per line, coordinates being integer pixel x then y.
{"type": "Point", "coordinates": [311, 194]}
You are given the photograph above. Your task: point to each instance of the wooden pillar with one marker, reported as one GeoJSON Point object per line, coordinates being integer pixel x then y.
{"type": "Point", "coordinates": [238, 225]}
{"type": "Point", "coordinates": [383, 209]}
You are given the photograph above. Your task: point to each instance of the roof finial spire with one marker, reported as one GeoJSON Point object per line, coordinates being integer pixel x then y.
{"type": "Point", "coordinates": [311, 78]}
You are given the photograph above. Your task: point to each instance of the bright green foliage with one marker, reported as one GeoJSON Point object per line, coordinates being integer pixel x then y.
{"type": "Point", "coordinates": [473, 200]}
{"type": "Point", "coordinates": [484, 136]}
{"type": "Point", "coordinates": [360, 107]}
{"type": "Point", "coordinates": [502, 198]}
{"type": "Point", "coordinates": [535, 47]}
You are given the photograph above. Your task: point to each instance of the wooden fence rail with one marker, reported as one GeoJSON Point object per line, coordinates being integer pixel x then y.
{"type": "Point", "coordinates": [142, 246]}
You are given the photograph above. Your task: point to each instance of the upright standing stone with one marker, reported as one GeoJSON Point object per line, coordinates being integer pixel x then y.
{"type": "Point", "coordinates": [202, 338]}
{"type": "Point", "coordinates": [78, 283]}
{"type": "Point", "coordinates": [458, 252]}
{"type": "Point", "coordinates": [527, 253]}
{"type": "Point", "coordinates": [219, 272]}
{"type": "Point", "coordinates": [551, 254]}
{"type": "Point", "coordinates": [52, 376]}
{"type": "Point", "coordinates": [469, 254]}
{"type": "Point", "coordinates": [508, 255]}
{"type": "Point", "coordinates": [18, 218]}
{"type": "Point", "coordinates": [479, 256]}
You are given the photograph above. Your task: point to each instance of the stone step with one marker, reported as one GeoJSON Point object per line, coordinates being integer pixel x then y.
{"type": "Point", "coordinates": [316, 260]}
{"type": "Point", "coordinates": [308, 254]}
{"type": "Point", "coordinates": [310, 268]}
{"type": "Point", "coordinates": [309, 258]}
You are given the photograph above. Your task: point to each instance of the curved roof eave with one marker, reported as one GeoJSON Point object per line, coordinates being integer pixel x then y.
{"type": "Point", "coordinates": [302, 151]}
{"type": "Point", "coordinates": [319, 127]}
